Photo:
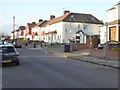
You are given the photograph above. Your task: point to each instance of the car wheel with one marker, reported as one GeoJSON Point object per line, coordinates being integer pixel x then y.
{"type": "Point", "coordinates": [17, 63]}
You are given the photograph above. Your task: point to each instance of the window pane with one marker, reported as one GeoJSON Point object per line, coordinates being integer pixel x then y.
{"type": "Point", "coordinates": [8, 49]}
{"type": "Point", "coordinates": [79, 26]}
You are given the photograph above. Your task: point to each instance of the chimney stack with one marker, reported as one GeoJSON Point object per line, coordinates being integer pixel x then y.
{"type": "Point", "coordinates": [33, 22]}
{"type": "Point", "coordinates": [40, 20]}
{"type": "Point", "coordinates": [66, 11]}
{"type": "Point", "coordinates": [52, 17]}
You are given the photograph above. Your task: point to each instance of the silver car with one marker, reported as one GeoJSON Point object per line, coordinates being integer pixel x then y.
{"type": "Point", "coordinates": [9, 54]}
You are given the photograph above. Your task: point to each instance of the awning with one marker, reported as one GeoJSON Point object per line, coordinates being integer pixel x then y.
{"type": "Point", "coordinates": [80, 31]}
{"type": "Point", "coordinates": [53, 32]}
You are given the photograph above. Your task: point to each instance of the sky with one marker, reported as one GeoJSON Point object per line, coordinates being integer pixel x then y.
{"type": "Point", "coordinates": [27, 11]}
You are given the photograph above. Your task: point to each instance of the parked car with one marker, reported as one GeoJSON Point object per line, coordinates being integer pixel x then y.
{"type": "Point", "coordinates": [17, 45]}
{"type": "Point", "coordinates": [9, 54]}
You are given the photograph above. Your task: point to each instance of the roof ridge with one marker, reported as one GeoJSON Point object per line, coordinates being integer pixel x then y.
{"type": "Point", "coordinates": [45, 21]}
{"type": "Point", "coordinates": [80, 13]}
{"type": "Point", "coordinates": [38, 24]}
{"type": "Point", "coordinates": [60, 18]}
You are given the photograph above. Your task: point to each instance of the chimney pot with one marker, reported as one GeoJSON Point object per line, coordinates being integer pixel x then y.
{"type": "Point", "coordinates": [52, 17]}
{"type": "Point", "coordinates": [40, 20]}
{"type": "Point", "coordinates": [66, 11]}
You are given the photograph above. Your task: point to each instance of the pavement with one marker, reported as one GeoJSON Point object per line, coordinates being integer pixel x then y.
{"type": "Point", "coordinates": [82, 55]}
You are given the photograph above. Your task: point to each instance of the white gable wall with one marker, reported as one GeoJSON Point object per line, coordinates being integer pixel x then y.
{"type": "Point", "coordinates": [51, 38]}
{"type": "Point", "coordinates": [92, 29]}
{"type": "Point", "coordinates": [113, 14]}
{"type": "Point", "coordinates": [103, 34]}
{"type": "Point", "coordinates": [36, 29]}
{"type": "Point", "coordinates": [70, 29]}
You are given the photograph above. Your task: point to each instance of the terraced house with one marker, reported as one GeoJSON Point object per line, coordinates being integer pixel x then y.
{"type": "Point", "coordinates": [38, 31]}
{"type": "Point", "coordinates": [29, 33]}
{"type": "Point", "coordinates": [69, 27]}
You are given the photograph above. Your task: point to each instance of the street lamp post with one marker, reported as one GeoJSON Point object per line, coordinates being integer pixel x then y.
{"type": "Point", "coordinates": [70, 23]}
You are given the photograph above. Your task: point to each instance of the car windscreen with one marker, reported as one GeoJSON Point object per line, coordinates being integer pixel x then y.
{"type": "Point", "coordinates": [8, 49]}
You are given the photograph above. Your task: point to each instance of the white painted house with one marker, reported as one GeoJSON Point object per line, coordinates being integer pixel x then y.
{"type": "Point", "coordinates": [64, 28]}
{"type": "Point", "coordinates": [15, 34]}
{"type": "Point", "coordinates": [21, 32]}
{"type": "Point", "coordinates": [39, 30]}
{"type": "Point", "coordinates": [111, 29]}
{"type": "Point", "coordinates": [36, 32]}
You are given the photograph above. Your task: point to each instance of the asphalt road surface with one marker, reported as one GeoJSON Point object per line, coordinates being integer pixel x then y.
{"type": "Point", "coordinates": [39, 69]}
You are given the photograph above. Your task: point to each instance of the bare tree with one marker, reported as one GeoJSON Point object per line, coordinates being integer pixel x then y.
{"type": "Point", "coordinates": [3, 35]}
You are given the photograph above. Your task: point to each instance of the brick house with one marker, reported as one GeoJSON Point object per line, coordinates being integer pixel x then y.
{"type": "Point", "coordinates": [29, 34]}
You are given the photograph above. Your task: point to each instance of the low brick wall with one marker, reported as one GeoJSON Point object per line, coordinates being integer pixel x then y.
{"type": "Point", "coordinates": [96, 52]}
{"type": "Point", "coordinates": [77, 46]}
{"type": "Point", "coordinates": [82, 46]}
{"type": "Point", "coordinates": [110, 54]}
{"type": "Point", "coordinates": [113, 54]}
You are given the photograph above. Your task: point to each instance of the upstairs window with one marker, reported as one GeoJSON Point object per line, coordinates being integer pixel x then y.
{"type": "Point", "coordinates": [85, 27]}
{"type": "Point", "coordinates": [78, 26]}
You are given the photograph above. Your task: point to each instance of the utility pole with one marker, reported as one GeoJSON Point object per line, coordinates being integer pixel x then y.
{"type": "Point", "coordinates": [106, 44]}
{"type": "Point", "coordinates": [13, 27]}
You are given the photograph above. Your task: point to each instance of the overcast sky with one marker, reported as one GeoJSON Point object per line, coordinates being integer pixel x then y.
{"type": "Point", "coordinates": [27, 11]}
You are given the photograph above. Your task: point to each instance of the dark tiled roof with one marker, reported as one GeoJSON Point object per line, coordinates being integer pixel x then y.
{"type": "Point", "coordinates": [38, 24]}
{"type": "Point", "coordinates": [43, 24]}
{"type": "Point", "coordinates": [77, 17]}
{"type": "Point", "coordinates": [31, 25]}
{"type": "Point", "coordinates": [83, 18]}
{"type": "Point", "coordinates": [22, 28]}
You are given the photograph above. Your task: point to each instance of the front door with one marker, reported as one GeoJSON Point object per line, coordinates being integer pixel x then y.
{"type": "Point", "coordinates": [112, 33]}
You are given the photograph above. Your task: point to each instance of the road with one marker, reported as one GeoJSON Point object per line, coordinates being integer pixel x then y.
{"type": "Point", "coordinates": [39, 69]}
